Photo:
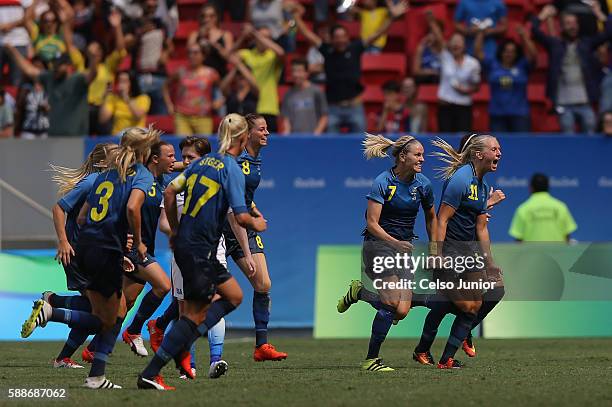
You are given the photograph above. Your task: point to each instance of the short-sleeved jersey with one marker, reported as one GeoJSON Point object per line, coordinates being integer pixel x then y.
{"type": "Point", "coordinates": [213, 184]}
{"type": "Point", "coordinates": [468, 196]}
{"type": "Point", "coordinates": [72, 202]}
{"type": "Point", "coordinates": [151, 210]}
{"type": "Point", "coordinates": [401, 202]}
{"type": "Point", "coordinates": [251, 168]}
{"type": "Point", "coordinates": [542, 218]}
{"type": "Point", "coordinates": [107, 224]}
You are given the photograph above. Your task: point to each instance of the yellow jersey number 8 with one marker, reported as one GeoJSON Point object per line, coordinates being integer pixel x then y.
{"type": "Point", "coordinates": [212, 189]}
{"type": "Point", "coordinates": [105, 190]}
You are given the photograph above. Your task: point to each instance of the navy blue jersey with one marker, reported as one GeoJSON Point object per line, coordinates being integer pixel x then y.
{"type": "Point", "coordinates": [72, 202]}
{"type": "Point", "coordinates": [401, 201]}
{"type": "Point", "coordinates": [251, 168]}
{"type": "Point", "coordinates": [468, 195]}
{"type": "Point", "coordinates": [213, 184]}
{"type": "Point", "coordinates": [151, 210]}
{"type": "Point", "coordinates": [107, 224]}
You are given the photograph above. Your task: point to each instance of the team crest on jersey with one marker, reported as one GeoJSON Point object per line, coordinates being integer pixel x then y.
{"type": "Point", "coordinates": [413, 194]}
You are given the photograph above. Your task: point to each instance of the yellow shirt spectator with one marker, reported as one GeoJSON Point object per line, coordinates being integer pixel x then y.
{"type": "Point", "coordinates": [542, 218]}
{"type": "Point", "coordinates": [104, 77]}
{"type": "Point", "coordinates": [266, 68]}
{"type": "Point", "coordinates": [121, 113]}
{"type": "Point", "coordinates": [371, 21]}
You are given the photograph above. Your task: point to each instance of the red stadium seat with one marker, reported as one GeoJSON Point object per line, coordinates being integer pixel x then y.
{"type": "Point", "coordinates": [379, 68]}
{"type": "Point", "coordinates": [282, 90]}
{"type": "Point", "coordinates": [416, 25]}
{"type": "Point", "coordinates": [428, 94]}
{"type": "Point", "coordinates": [185, 28]}
{"type": "Point", "coordinates": [372, 97]}
{"type": "Point", "coordinates": [173, 65]}
{"type": "Point", "coordinates": [11, 90]}
{"type": "Point", "coordinates": [163, 123]}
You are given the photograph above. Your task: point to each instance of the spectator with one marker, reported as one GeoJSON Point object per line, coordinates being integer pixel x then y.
{"type": "Point", "coordinates": [195, 85]}
{"type": "Point", "coordinates": [416, 119]}
{"type": "Point", "coordinates": [459, 78]}
{"type": "Point", "coordinates": [47, 40]}
{"type": "Point", "coordinates": [343, 71]}
{"type": "Point", "coordinates": [372, 18]}
{"type": "Point", "coordinates": [236, 8]}
{"type": "Point", "coordinates": [315, 59]}
{"type": "Point", "coordinates": [507, 75]}
{"type": "Point", "coordinates": [265, 61]}
{"type": "Point", "coordinates": [126, 106]}
{"type": "Point", "coordinates": [304, 107]}
{"type": "Point", "coordinates": [239, 88]}
{"type": "Point", "coordinates": [106, 68]}
{"type": "Point", "coordinates": [7, 122]}
{"type": "Point", "coordinates": [33, 108]}
{"type": "Point", "coordinates": [13, 32]}
{"type": "Point", "coordinates": [542, 218]}
{"type": "Point", "coordinates": [574, 74]}
{"type": "Point", "coordinates": [82, 23]}
{"type": "Point", "coordinates": [426, 61]}
{"type": "Point", "coordinates": [605, 125]}
{"type": "Point", "coordinates": [271, 14]}
{"type": "Point", "coordinates": [489, 16]}
{"type": "Point", "coordinates": [393, 115]}
{"type": "Point", "coordinates": [210, 33]}
{"type": "Point", "coordinates": [590, 14]}
{"type": "Point", "coordinates": [67, 92]}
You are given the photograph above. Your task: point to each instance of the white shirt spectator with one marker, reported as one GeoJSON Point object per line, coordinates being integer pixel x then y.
{"type": "Point", "coordinates": [11, 11]}
{"type": "Point", "coordinates": [453, 74]}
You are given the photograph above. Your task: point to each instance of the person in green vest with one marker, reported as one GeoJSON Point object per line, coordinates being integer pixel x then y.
{"type": "Point", "coordinates": [542, 218]}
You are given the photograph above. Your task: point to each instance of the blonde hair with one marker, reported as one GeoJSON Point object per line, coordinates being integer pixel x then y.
{"type": "Point", "coordinates": [135, 144]}
{"type": "Point", "coordinates": [67, 178]}
{"type": "Point", "coordinates": [455, 159]}
{"type": "Point", "coordinates": [377, 146]}
{"type": "Point", "coordinates": [232, 126]}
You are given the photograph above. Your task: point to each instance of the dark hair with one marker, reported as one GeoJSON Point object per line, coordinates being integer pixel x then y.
{"type": "Point", "coordinates": [212, 7]}
{"type": "Point", "coordinates": [200, 144]}
{"type": "Point", "coordinates": [502, 46]}
{"type": "Point", "coordinates": [251, 118]}
{"type": "Point", "coordinates": [134, 87]}
{"type": "Point", "coordinates": [391, 86]}
{"type": "Point", "coordinates": [539, 182]}
{"type": "Point", "coordinates": [300, 62]}
{"type": "Point", "coordinates": [156, 149]}
{"type": "Point", "coordinates": [50, 11]}
{"type": "Point", "coordinates": [335, 27]}
{"type": "Point", "coordinates": [600, 122]}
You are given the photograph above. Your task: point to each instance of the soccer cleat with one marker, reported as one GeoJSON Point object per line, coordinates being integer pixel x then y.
{"type": "Point", "coordinates": [217, 369]}
{"type": "Point", "coordinates": [41, 312]}
{"type": "Point", "coordinates": [376, 365]}
{"type": "Point", "coordinates": [100, 382]}
{"type": "Point", "coordinates": [155, 383]}
{"type": "Point", "coordinates": [468, 347]}
{"type": "Point", "coordinates": [66, 363]}
{"type": "Point", "coordinates": [450, 364]}
{"type": "Point", "coordinates": [267, 351]}
{"type": "Point", "coordinates": [183, 373]}
{"type": "Point", "coordinates": [136, 343]}
{"type": "Point", "coordinates": [183, 364]}
{"type": "Point", "coordinates": [350, 297]}
{"type": "Point", "coordinates": [156, 335]}
{"type": "Point", "coordinates": [87, 355]}
{"type": "Point", "coordinates": [46, 296]}
{"type": "Point", "coordinates": [423, 358]}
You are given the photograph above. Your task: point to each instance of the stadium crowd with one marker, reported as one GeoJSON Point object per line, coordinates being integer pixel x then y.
{"type": "Point", "coordinates": [94, 67]}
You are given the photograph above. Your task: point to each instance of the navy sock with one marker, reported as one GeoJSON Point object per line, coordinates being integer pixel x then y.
{"type": "Point", "coordinates": [380, 327]}
{"type": "Point", "coordinates": [76, 338]}
{"type": "Point", "coordinates": [105, 343]}
{"type": "Point", "coordinates": [371, 298]}
{"type": "Point", "coordinates": [261, 316]}
{"type": "Point", "coordinates": [439, 307]}
{"type": "Point", "coordinates": [147, 307]}
{"type": "Point", "coordinates": [170, 314]}
{"type": "Point", "coordinates": [420, 300]}
{"type": "Point", "coordinates": [77, 319]}
{"type": "Point", "coordinates": [216, 311]}
{"type": "Point", "coordinates": [179, 338]}
{"type": "Point", "coordinates": [489, 301]}
{"type": "Point", "coordinates": [459, 331]}
{"type": "Point", "coordinates": [74, 302]}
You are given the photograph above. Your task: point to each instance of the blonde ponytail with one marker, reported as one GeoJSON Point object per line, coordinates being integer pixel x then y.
{"type": "Point", "coordinates": [232, 126]}
{"type": "Point", "coordinates": [135, 145]}
{"type": "Point", "coordinates": [455, 159]}
{"type": "Point", "coordinates": [376, 146]}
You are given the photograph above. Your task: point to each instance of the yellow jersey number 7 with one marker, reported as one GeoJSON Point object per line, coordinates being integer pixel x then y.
{"type": "Point", "coordinates": [212, 189]}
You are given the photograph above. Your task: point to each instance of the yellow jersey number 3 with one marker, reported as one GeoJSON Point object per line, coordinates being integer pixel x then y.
{"type": "Point", "coordinates": [105, 191]}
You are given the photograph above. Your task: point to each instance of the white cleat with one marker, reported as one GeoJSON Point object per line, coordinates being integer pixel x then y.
{"type": "Point", "coordinates": [217, 369]}
{"type": "Point", "coordinates": [66, 363]}
{"type": "Point", "coordinates": [136, 343]}
{"type": "Point", "coordinates": [41, 312]}
{"type": "Point", "coordinates": [46, 295]}
{"type": "Point", "coordinates": [100, 382]}
{"type": "Point", "coordinates": [184, 376]}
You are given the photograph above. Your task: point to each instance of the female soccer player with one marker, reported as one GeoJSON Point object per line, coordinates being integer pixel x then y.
{"type": "Point", "coordinates": [462, 227]}
{"type": "Point", "coordinates": [393, 205]}
{"type": "Point", "coordinates": [74, 186]}
{"type": "Point", "coordinates": [252, 262]}
{"type": "Point", "coordinates": [148, 271]}
{"type": "Point", "coordinates": [112, 208]}
{"type": "Point", "coordinates": [213, 184]}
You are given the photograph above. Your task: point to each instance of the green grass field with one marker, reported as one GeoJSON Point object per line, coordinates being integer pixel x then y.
{"type": "Point", "coordinates": [326, 373]}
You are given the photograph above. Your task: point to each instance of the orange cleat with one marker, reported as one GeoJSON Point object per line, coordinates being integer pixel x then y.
{"type": "Point", "coordinates": [156, 383]}
{"type": "Point", "coordinates": [423, 358]}
{"type": "Point", "coordinates": [468, 347]}
{"type": "Point", "coordinates": [87, 355]}
{"type": "Point", "coordinates": [184, 365]}
{"type": "Point", "coordinates": [268, 352]}
{"type": "Point", "coordinates": [450, 364]}
{"type": "Point", "coordinates": [156, 335]}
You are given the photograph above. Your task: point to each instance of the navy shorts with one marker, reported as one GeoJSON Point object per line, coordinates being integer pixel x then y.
{"type": "Point", "coordinates": [75, 280]}
{"type": "Point", "coordinates": [102, 268]}
{"type": "Point", "coordinates": [134, 258]}
{"type": "Point", "coordinates": [201, 275]}
{"type": "Point", "coordinates": [233, 247]}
